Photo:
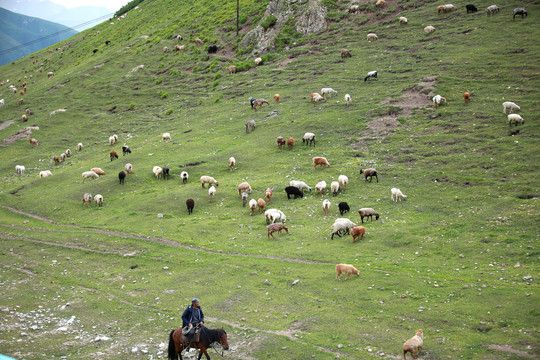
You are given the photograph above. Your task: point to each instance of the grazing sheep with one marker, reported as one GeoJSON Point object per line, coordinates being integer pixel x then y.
{"type": "Point", "coordinates": [370, 173]}
{"type": "Point", "coordinates": [515, 119]}
{"type": "Point", "coordinates": [345, 53]}
{"type": "Point", "coordinates": [79, 146]}
{"type": "Point", "coordinates": [372, 37]}
{"type": "Point", "coordinates": [348, 99]}
{"type": "Point", "coordinates": [274, 215]}
{"type": "Point", "coordinates": [510, 105]}
{"type": "Point", "coordinates": [44, 174]}
{"type": "Point", "coordinates": [272, 228]}
{"type": "Point", "coordinates": [261, 204]}
{"type": "Point", "coordinates": [212, 49]}
{"type": "Point", "coordinates": [232, 163]}
{"type": "Point", "coordinates": [440, 9]}
{"type": "Point", "coordinates": [115, 138]}
{"type": "Point", "coordinates": [414, 344]}
{"type": "Point", "coordinates": [293, 190]}
{"type": "Point", "coordinates": [396, 193]}
{"type": "Point", "coordinates": [354, 9]}
{"type": "Point", "coordinates": [98, 199]}
{"type": "Point", "coordinates": [111, 140]}
{"type": "Point", "coordinates": [50, 74]}
{"type": "Point", "coordinates": [319, 160]}
{"type": "Point", "coordinates": [466, 97]}
{"type": "Point", "coordinates": [328, 91]}
{"type": "Point", "coordinates": [165, 50]}
{"type": "Point", "coordinates": [252, 206]}
{"type": "Point", "coordinates": [316, 97]}
{"type": "Point", "coordinates": [166, 172]}
{"type": "Point", "coordinates": [166, 137]}
{"type": "Point", "coordinates": [244, 199]}
{"type": "Point", "coordinates": [341, 224]}
{"type": "Point", "coordinates": [212, 192]}
{"type": "Point", "coordinates": [125, 150]}
{"type": "Point", "coordinates": [300, 185]}
{"type": "Point", "coordinates": [258, 61]}
{"type": "Point", "coordinates": [320, 187]}
{"type": "Point", "coordinates": [190, 203]}
{"type": "Point", "coordinates": [19, 169]}
{"type": "Point", "coordinates": [129, 168]}
{"type": "Point", "coordinates": [309, 138]}
{"type": "Point", "coordinates": [437, 100]}
{"type": "Point", "coordinates": [184, 175]}
{"type": "Point", "coordinates": [380, 3]}
{"type": "Point", "coordinates": [89, 174]}
{"type": "Point", "coordinates": [368, 212]}
{"type": "Point", "coordinates": [122, 177]}
{"type": "Point", "coordinates": [2, 100]}
{"type": "Point", "coordinates": [158, 171]}
{"type": "Point", "coordinates": [113, 155]}
{"type": "Point", "coordinates": [519, 11]}
{"type": "Point", "coordinates": [33, 142]}
{"type": "Point", "coordinates": [290, 143]}
{"type": "Point", "coordinates": [259, 103]}
{"type": "Point", "coordinates": [98, 171]}
{"type": "Point", "coordinates": [24, 118]}
{"type": "Point", "coordinates": [198, 41]}
{"type": "Point", "coordinates": [56, 160]}
{"type": "Point", "coordinates": [471, 8]}
{"type": "Point", "coordinates": [232, 69]}
{"type": "Point", "coordinates": [334, 187]}
{"type": "Point", "coordinates": [372, 75]}
{"type": "Point", "coordinates": [68, 153]}
{"type": "Point", "coordinates": [403, 20]}
{"type": "Point", "coordinates": [280, 142]}
{"type": "Point", "coordinates": [429, 29]}
{"type": "Point", "coordinates": [343, 208]}
{"type": "Point", "coordinates": [357, 231]}
{"type": "Point", "coordinates": [346, 269]}
{"type": "Point", "coordinates": [449, 8]}
{"type": "Point", "coordinates": [268, 194]}
{"type": "Point", "coordinates": [250, 126]}
{"type": "Point", "coordinates": [63, 157]}
{"type": "Point", "coordinates": [87, 199]}
{"type": "Point", "coordinates": [276, 98]}
{"type": "Point", "coordinates": [343, 181]}
{"type": "Point", "coordinates": [244, 187]}
{"type": "Point", "coordinates": [208, 180]}
{"type": "Point", "coordinates": [492, 9]}
{"type": "Point", "coordinates": [325, 206]}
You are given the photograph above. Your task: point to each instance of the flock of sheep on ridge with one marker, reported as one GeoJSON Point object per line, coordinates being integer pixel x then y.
{"type": "Point", "coordinates": [275, 218]}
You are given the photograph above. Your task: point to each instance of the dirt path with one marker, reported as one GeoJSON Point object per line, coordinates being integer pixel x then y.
{"type": "Point", "coordinates": [5, 124]}
{"type": "Point", "coordinates": [27, 131]}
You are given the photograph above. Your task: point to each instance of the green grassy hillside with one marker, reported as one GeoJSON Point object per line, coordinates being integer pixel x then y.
{"type": "Point", "coordinates": [458, 258]}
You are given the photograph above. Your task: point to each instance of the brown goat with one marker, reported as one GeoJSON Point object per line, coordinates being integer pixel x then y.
{"type": "Point", "coordinates": [276, 98]}
{"type": "Point", "coordinates": [280, 142]}
{"type": "Point", "coordinates": [290, 143]}
{"type": "Point", "coordinates": [358, 231]}
{"type": "Point", "coordinates": [272, 228]}
{"type": "Point", "coordinates": [113, 155]}
{"type": "Point", "coordinates": [414, 344]}
{"type": "Point", "coordinates": [261, 204]}
{"type": "Point", "coordinates": [466, 97]}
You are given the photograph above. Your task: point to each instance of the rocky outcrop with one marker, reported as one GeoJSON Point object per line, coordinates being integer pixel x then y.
{"type": "Point", "coordinates": [310, 16]}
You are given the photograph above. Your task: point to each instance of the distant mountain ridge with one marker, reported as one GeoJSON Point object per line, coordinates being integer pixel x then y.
{"type": "Point", "coordinates": [17, 29]}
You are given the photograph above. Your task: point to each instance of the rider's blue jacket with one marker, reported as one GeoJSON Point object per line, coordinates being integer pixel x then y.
{"type": "Point", "coordinates": [192, 315]}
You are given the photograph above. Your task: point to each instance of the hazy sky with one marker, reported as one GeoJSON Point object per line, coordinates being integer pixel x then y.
{"type": "Point", "coordinates": [111, 5]}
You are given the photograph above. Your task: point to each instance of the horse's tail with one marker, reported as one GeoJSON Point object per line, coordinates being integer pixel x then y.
{"type": "Point", "coordinates": [172, 348]}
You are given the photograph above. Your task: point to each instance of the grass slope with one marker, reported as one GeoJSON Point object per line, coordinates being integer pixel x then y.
{"type": "Point", "coordinates": [450, 260]}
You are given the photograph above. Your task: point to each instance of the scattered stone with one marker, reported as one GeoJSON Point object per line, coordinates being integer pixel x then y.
{"type": "Point", "coordinates": [527, 278]}
{"type": "Point", "coordinates": [295, 282]}
{"type": "Point", "coordinates": [26, 221]}
{"type": "Point", "coordinates": [159, 216]}
{"type": "Point", "coordinates": [340, 346]}
{"type": "Point", "coordinates": [101, 338]}
{"type": "Point", "coordinates": [284, 348]}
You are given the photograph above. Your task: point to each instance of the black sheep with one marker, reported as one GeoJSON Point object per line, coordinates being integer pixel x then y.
{"type": "Point", "coordinates": [293, 190]}
{"type": "Point", "coordinates": [343, 207]}
{"type": "Point", "coordinates": [107, 42]}
{"type": "Point", "coordinates": [95, 51]}
{"type": "Point", "coordinates": [121, 176]}
{"type": "Point", "coordinates": [212, 49]}
{"type": "Point", "coordinates": [126, 150]}
{"type": "Point", "coordinates": [190, 203]}
{"type": "Point", "coordinates": [471, 8]}
{"type": "Point", "coordinates": [520, 11]}
{"type": "Point", "coordinates": [166, 172]}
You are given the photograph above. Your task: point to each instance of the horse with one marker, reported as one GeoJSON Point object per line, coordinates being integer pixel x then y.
{"type": "Point", "coordinates": [206, 338]}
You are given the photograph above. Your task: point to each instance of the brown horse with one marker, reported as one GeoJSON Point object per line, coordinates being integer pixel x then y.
{"type": "Point", "coordinates": [206, 338]}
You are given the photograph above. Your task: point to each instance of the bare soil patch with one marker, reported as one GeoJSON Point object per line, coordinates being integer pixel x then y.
{"type": "Point", "coordinates": [5, 124]}
{"type": "Point", "coordinates": [27, 131]}
{"type": "Point", "coordinates": [509, 349]}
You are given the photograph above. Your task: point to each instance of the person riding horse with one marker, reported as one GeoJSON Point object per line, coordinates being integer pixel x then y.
{"type": "Point", "coordinates": [192, 319]}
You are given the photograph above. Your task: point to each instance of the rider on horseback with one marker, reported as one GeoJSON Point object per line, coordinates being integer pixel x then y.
{"type": "Point", "coordinates": [192, 319]}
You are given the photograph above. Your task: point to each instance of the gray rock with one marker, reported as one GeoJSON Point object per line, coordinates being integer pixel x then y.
{"type": "Point", "coordinates": [296, 281]}
{"type": "Point", "coordinates": [527, 278]}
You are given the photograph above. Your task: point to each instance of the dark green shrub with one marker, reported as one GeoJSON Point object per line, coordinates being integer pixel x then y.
{"type": "Point", "coordinates": [269, 22]}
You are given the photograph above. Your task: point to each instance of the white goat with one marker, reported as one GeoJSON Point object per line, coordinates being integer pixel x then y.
{"type": "Point", "coordinates": [396, 193]}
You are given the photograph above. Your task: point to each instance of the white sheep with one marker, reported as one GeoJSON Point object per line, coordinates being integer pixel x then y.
{"type": "Point", "coordinates": [341, 225]}
{"type": "Point", "coordinates": [212, 192]}
{"type": "Point", "coordinates": [492, 9]}
{"type": "Point", "coordinates": [429, 29]}
{"type": "Point", "coordinates": [44, 174]}
{"type": "Point", "coordinates": [334, 187]}
{"type": "Point", "coordinates": [98, 199]}
{"type": "Point", "coordinates": [208, 180]}
{"type": "Point", "coordinates": [510, 105]}
{"type": "Point", "coordinates": [274, 215]}
{"type": "Point", "coordinates": [403, 20]}
{"type": "Point", "coordinates": [328, 91]}
{"type": "Point", "coordinates": [89, 174]}
{"type": "Point", "coordinates": [348, 99]}
{"type": "Point", "coordinates": [372, 36]}
{"type": "Point", "coordinates": [343, 180]}
{"type": "Point", "coordinates": [232, 163]}
{"type": "Point", "coordinates": [309, 138]}
{"type": "Point", "coordinates": [63, 157]}
{"type": "Point", "coordinates": [326, 206]}
{"type": "Point", "coordinates": [1, 102]}
{"type": "Point", "coordinates": [300, 185]}
{"type": "Point", "coordinates": [244, 198]}
{"type": "Point", "coordinates": [111, 140]}
{"type": "Point", "coordinates": [158, 171]}
{"type": "Point", "coordinates": [320, 187]}
{"type": "Point", "coordinates": [515, 119]}
{"type": "Point", "coordinates": [19, 169]}
{"type": "Point", "coordinates": [396, 193]}
{"type": "Point", "coordinates": [68, 153]}
{"type": "Point", "coordinates": [258, 61]}
{"type": "Point", "coordinates": [184, 175]}
{"type": "Point", "coordinates": [129, 168]}
{"type": "Point", "coordinates": [244, 187]}
{"type": "Point", "coordinates": [115, 138]}
{"type": "Point", "coordinates": [252, 206]}
{"type": "Point", "coordinates": [79, 146]}
{"type": "Point", "coordinates": [437, 100]}
{"type": "Point", "coordinates": [166, 136]}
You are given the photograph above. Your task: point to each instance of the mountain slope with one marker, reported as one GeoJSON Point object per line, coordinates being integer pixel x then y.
{"type": "Point", "coordinates": [33, 33]}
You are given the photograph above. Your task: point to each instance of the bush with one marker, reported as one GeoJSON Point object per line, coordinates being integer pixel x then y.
{"type": "Point", "coordinates": [174, 72]}
{"type": "Point", "coordinates": [159, 80]}
{"type": "Point", "coordinates": [243, 19]}
{"type": "Point", "coordinates": [169, 112]}
{"type": "Point", "coordinates": [269, 22]}
{"type": "Point", "coordinates": [131, 106]}
{"type": "Point", "coordinates": [217, 76]}
{"type": "Point", "coordinates": [130, 5]}
{"type": "Point", "coordinates": [163, 94]}
{"type": "Point", "coordinates": [219, 98]}
{"type": "Point", "coordinates": [244, 65]}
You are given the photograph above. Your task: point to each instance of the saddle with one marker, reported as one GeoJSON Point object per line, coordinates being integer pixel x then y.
{"type": "Point", "coordinates": [196, 336]}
